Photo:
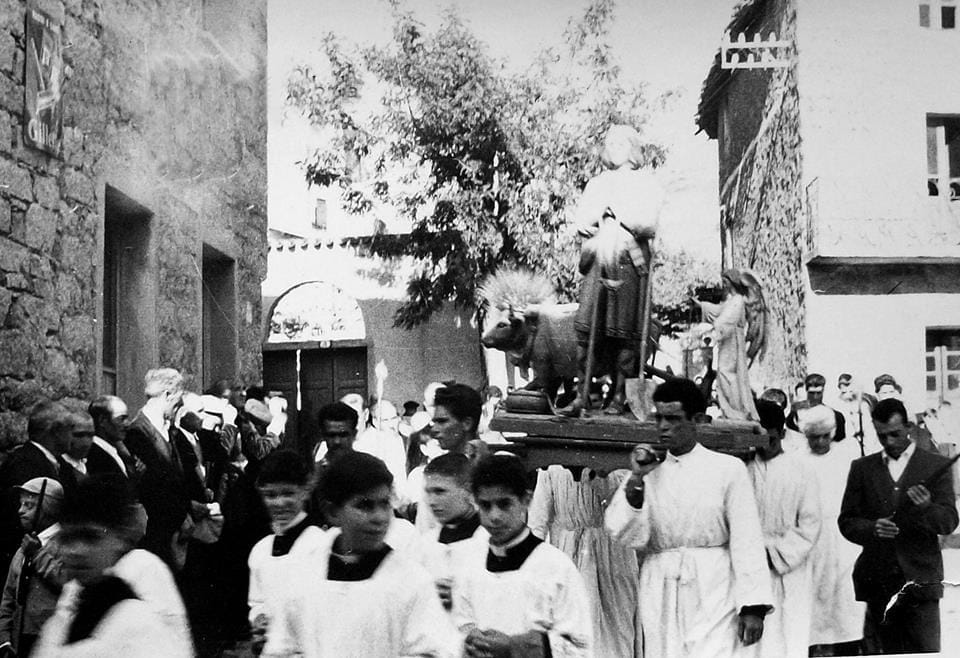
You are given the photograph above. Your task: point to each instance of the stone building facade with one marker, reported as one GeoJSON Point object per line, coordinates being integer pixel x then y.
{"type": "Point", "coordinates": [143, 243]}
{"type": "Point", "coordinates": [840, 185]}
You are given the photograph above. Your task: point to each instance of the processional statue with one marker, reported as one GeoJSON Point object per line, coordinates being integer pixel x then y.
{"type": "Point", "coordinates": [611, 330]}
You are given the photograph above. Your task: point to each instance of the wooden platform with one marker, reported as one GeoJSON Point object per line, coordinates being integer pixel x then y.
{"type": "Point", "coordinates": [604, 442]}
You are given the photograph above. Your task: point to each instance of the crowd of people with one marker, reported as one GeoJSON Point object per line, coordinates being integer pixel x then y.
{"type": "Point", "coordinates": [195, 528]}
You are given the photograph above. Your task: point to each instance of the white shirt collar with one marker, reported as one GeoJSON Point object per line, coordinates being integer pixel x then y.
{"type": "Point", "coordinates": [904, 456]}
{"type": "Point", "coordinates": [79, 464]}
{"type": "Point", "coordinates": [501, 551]}
{"type": "Point", "coordinates": [157, 420]}
{"type": "Point", "coordinates": [47, 533]}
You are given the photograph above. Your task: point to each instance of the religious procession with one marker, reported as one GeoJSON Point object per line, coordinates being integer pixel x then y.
{"type": "Point", "coordinates": [490, 351]}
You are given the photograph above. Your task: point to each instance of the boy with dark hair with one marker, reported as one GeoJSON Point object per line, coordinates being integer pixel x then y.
{"type": "Point", "coordinates": [284, 484]}
{"type": "Point", "coordinates": [36, 575]}
{"type": "Point", "coordinates": [355, 596]}
{"type": "Point", "coordinates": [519, 596]}
{"type": "Point", "coordinates": [337, 423]}
{"type": "Point", "coordinates": [447, 489]}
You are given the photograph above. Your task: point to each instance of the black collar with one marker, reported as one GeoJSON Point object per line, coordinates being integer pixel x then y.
{"type": "Point", "coordinates": [515, 557]}
{"type": "Point", "coordinates": [283, 543]}
{"type": "Point", "coordinates": [356, 568]}
{"type": "Point", "coordinates": [462, 528]}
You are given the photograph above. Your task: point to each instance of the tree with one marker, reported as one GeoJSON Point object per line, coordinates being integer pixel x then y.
{"type": "Point", "coordinates": [485, 163]}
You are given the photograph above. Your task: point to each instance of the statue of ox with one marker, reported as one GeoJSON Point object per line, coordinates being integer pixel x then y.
{"type": "Point", "coordinates": [524, 320]}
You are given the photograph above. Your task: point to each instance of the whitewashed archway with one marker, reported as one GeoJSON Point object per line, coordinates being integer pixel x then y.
{"type": "Point", "coordinates": [315, 311]}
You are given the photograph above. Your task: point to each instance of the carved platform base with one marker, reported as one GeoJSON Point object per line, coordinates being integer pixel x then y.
{"type": "Point", "coordinates": [603, 442]}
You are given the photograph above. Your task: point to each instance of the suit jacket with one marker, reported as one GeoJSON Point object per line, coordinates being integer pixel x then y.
{"type": "Point", "coordinates": [101, 463]}
{"type": "Point", "coordinates": [161, 487]}
{"type": "Point", "coordinates": [914, 554]}
{"type": "Point", "coordinates": [25, 463]}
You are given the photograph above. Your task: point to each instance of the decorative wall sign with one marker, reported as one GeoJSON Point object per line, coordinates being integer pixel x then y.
{"type": "Point", "coordinates": [316, 311]}
{"type": "Point", "coordinates": [43, 81]}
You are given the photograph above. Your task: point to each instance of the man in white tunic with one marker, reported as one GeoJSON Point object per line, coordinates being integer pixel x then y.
{"type": "Point", "coordinates": [789, 507]}
{"type": "Point", "coordinates": [836, 625]}
{"type": "Point", "coordinates": [355, 597]}
{"type": "Point", "coordinates": [516, 595]}
{"type": "Point", "coordinates": [704, 584]}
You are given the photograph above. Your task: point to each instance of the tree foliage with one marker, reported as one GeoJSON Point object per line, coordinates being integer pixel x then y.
{"type": "Point", "coordinates": [483, 161]}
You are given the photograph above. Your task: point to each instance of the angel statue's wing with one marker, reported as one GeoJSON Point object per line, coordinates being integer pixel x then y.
{"type": "Point", "coordinates": [756, 315]}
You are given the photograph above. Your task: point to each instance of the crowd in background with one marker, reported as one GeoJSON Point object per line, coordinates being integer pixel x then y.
{"type": "Point", "coordinates": [194, 525]}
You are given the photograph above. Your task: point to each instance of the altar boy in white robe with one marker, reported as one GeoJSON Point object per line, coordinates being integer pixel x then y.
{"type": "Point", "coordinates": [284, 483]}
{"type": "Point", "coordinates": [789, 507]}
{"type": "Point", "coordinates": [704, 583]}
{"type": "Point", "coordinates": [445, 546]}
{"type": "Point", "coordinates": [356, 597]}
{"type": "Point", "coordinates": [517, 596]}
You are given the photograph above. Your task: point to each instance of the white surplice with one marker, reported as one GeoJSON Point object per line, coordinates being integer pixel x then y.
{"type": "Point", "coordinates": [545, 594]}
{"type": "Point", "coordinates": [704, 553]}
{"type": "Point", "coordinates": [570, 514]}
{"type": "Point", "coordinates": [395, 612]}
{"type": "Point", "coordinates": [789, 507]}
{"type": "Point", "coordinates": [837, 615]}
{"type": "Point", "coordinates": [270, 574]}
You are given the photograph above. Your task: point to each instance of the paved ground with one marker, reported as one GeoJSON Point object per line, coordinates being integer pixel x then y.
{"type": "Point", "coordinates": [950, 606]}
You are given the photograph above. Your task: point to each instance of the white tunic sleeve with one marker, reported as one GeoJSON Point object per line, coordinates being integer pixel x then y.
{"type": "Point", "coordinates": [256, 592]}
{"type": "Point", "coordinates": [790, 549]}
{"type": "Point", "coordinates": [627, 525]}
{"type": "Point", "coordinates": [572, 633]}
{"type": "Point", "coordinates": [428, 630]}
{"type": "Point", "coordinates": [541, 511]}
{"type": "Point", "coordinates": [749, 563]}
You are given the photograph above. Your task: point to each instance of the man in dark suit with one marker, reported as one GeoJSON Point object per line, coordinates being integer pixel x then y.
{"type": "Point", "coordinates": [895, 505]}
{"type": "Point", "coordinates": [161, 487]}
{"type": "Point", "coordinates": [48, 435]}
{"type": "Point", "coordinates": [108, 454]}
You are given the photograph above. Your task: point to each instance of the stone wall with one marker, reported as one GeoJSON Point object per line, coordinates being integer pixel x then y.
{"type": "Point", "coordinates": [760, 188]}
{"type": "Point", "coordinates": [157, 108]}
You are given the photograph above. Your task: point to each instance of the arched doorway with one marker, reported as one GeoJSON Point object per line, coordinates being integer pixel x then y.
{"type": "Point", "coordinates": [315, 352]}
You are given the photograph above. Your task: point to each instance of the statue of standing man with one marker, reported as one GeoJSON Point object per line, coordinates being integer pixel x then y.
{"type": "Point", "coordinates": [617, 216]}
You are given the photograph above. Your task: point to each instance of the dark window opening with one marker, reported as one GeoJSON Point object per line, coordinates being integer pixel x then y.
{"type": "Point", "coordinates": [219, 316]}
{"type": "Point", "coordinates": [948, 17]}
{"type": "Point", "coordinates": [924, 15]}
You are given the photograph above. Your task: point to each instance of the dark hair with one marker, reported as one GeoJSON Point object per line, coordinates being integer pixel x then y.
{"type": "Point", "coordinates": [884, 379]}
{"type": "Point", "coordinates": [256, 393]}
{"type": "Point", "coordinates": [410, 407]}
{"type": "Point", "coordinates": [351, 474]}
{"type": "Point", "coordinates": [814, 379]}
{"type": "Point", "coordinates": [103, 499]}
{"type": "Point", "coordinates": [46, 417]}
{"type": "Point", "coordinates": [337, 412]}
{"type": "Point", "coordinates": [284, 466]}
{"type": "Point", "coordinates": [500, 471]}
{"type": "Point", "coordinates": [219, 387]}
{"type": "Point", "coordinates": [461, 401]}
{"type": "Point", "coordinates": [683, 391]}
{"type": "Point", "coordinates": [777, 396]}
{"type": "Point", "coordinates": [101, 408]}
{"type": "Point", "coordinates": [453, 465]}
{"type": "Point", "coordinates": [771, 415]}
{"type": "Point", "coordinates": [844, 378]}
{"type": "Point", "coordinates": [885, 410]}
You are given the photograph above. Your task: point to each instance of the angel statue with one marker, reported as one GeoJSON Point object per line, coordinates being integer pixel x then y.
{"type": "Point", "coordinates": [739, 326]}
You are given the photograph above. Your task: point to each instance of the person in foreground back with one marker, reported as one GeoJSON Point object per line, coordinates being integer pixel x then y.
{"type": "Point", "coordinates": [354, 596]}
{"type": "Point", "coordinates": [105, 610]}
{"type": "Point", "coordinates": [516, 595]}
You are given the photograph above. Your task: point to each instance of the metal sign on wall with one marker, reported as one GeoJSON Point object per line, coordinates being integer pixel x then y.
{"type": "Point", "coordinates": [43, 81]}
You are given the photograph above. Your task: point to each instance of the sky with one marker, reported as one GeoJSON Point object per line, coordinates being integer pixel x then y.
{"type": "Point", "coordinates": [668, 44]}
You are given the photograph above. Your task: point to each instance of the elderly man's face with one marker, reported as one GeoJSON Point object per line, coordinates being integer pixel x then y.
{"type": "Point", "coordinates": [114, 428]}
{"type": "Point", "coordinates": [172, 400]}
{"type": "Point", "coordinates": [81, 436]}
{"type": "Point", "coordinates": [818, 441]}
